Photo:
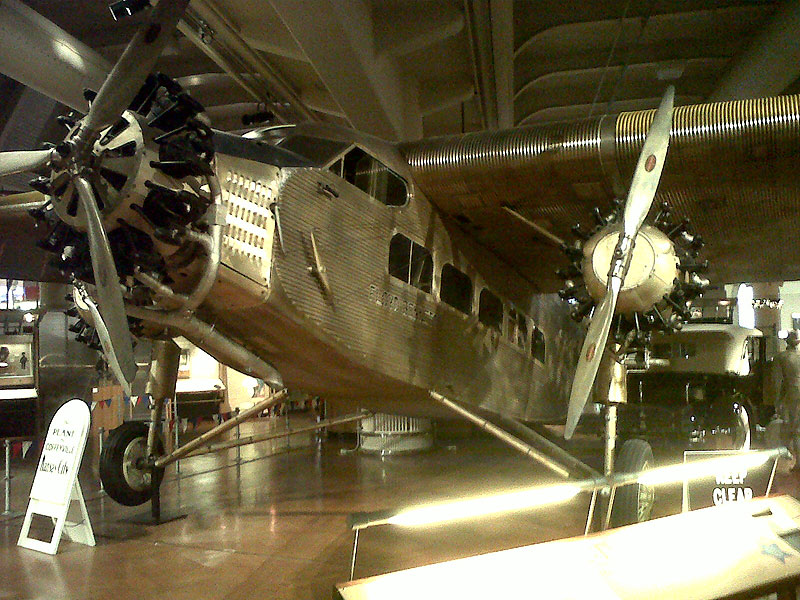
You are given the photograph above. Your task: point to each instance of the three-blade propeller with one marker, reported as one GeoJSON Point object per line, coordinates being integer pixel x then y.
{"type": "Point", "coordinates": [114, 97]}
{"type": "Point", "coordinates": [640, 199]}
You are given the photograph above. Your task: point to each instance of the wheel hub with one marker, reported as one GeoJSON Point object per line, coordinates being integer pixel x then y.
{"type": "Point", "coordinates": [134, 461]}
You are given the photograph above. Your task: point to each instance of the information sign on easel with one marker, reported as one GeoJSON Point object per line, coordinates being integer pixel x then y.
{"type": "Point", "coordinates": [55, 485]}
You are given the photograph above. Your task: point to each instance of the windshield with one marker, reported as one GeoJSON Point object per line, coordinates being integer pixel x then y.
{"type": "Point", "coordinates": [317, 150]}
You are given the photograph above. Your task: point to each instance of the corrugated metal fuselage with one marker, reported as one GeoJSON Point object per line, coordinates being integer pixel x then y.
{"type": "Point", "coordinates": [358, 334]}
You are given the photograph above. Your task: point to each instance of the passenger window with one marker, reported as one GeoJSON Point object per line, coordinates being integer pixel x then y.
{"type": "Point", "coordinates": [456, 289]}
{"type": "Point", "coordinates": [538, 351]}
{"type": "Point", "coordinates": [373, 177]}
{"type": "Point", "coordinates": [410, 263]}
{"type": "Point", "coordinates": [517, 328]}
{"type": "Point", "coordinates": [490, 310]}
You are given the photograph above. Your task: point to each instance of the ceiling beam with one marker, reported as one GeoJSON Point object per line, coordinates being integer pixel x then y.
{"type": "Point", "coordinates": [44, 57]}
{"type": "Point", "coordinates": [209, 28]}
{"type": "Point", "coordinates": [438, 97]}
{"type": "Point", "coordinates": [491, 34]}
{"type": "Point", "coordinates": [502, 18]}
{"type": "Point", "coordinates": [769, 64]}
{"type": "Point", "coordinates": [339, 41]}
{"type": "Point", "coordinates": [480, 42]}
{"type": "Point", "coordinates": [404, 31]}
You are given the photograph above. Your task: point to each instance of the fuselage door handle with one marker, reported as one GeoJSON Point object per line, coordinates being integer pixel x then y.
{"type": "Point", "coordinates": [318, 268]}
{"type": "Point", "coordinates": [326, 190]}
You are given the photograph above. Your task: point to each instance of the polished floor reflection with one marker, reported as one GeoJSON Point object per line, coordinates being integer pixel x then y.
{"type": "Point", "coordinates": [275, 525]}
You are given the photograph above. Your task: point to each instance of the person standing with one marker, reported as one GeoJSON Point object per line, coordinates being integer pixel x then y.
{"type": "Point", "coordinates": [788, 405]}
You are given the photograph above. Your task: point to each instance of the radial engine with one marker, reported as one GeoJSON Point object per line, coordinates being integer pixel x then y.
{"type": "Point", "coordinates": [152, 175]}
{"type": "Point", "coordinates": [663, 280]}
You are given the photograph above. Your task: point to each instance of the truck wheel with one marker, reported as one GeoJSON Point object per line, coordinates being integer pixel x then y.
{"type": "Point", "coordinates": [633, 503]}
{"type": "Point", "coordinates": [124, 479]}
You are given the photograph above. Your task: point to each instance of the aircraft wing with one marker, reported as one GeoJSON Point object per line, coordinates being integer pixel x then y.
{"type": "Point", "coordinates": [730, 169]}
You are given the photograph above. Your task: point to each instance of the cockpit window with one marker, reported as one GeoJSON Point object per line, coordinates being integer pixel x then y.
{"type": "Point", "coordinates": [318, 150]}
{"type": "Point", "coordinates": [373, 177]}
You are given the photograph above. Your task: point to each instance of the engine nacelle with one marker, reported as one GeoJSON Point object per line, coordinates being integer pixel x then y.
{"type": "Point", "coordinates": [652, 273]}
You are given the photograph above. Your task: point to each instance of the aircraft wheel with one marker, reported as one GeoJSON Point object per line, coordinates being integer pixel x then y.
{"type": "Point", "coordinates": [121, 471]}
{"type": "Point", "coordinates": [633, 503]}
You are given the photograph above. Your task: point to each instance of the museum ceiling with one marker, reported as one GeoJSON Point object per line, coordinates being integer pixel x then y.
{"type": "Point", "coordinates": [406, 69]}
{"type": "Point", "coordinates": [410, 69]}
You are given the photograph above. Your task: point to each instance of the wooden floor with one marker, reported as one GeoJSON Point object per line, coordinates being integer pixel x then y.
{"type": "Point", "coordinates": [276, 525]}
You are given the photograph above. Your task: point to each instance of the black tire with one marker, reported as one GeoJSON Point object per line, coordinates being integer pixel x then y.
{"type": "Point", "coordinates": [122, 480]}
{"type": "Point", "coordinates": [633, 503]}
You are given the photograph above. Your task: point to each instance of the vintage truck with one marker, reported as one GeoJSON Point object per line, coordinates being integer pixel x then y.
{"type": "Point", "coordinates": [704, 388]}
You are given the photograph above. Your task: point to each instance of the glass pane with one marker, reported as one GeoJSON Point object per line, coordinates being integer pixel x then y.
{"type": "Point", "coordinates": [456, 289]}
{"type": "Point", "coordinates": [490, 310]}
{"type": "Point", "coordinates": [410, 263]}
{"type": "Point", "coordinates": [538, 350]}
{"type": "Point", "coordinates": [421, 268]}
{"type": "Point", "coordinates": [522, 332]}
{"type": "Point", "coordinates": [374, 178]}
{"type": "Point", "coordinates": [399, 257]}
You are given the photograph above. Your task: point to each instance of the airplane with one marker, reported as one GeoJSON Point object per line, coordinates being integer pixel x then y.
{"type": "Point", "coordinates": [315, 257]}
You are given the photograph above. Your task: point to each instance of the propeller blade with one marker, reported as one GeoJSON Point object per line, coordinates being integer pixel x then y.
{"type": "Point", "coordinates": [85, 302]}
{"type": "Point", "coordinates": [111, 320]}
{"type": "Point", "coordinates": [130, 71]}
{"type": "Point", "coordinates": [21, 202]}
{"type": "Point", "coordinates": [640, 199]}
{"type": "Point", "coordinates": [23, 160]}
{"type": "Point", "coordinates": [592, 352]}
{"type": "Point", "coordinates": [649, 167]}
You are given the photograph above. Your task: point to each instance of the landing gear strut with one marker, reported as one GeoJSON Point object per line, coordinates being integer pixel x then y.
{"type": "Point", "coordinates": [161, 386]}
{"type": "Point", "coordinates": [127, 464]}
{"type": "Point", "coordinates": [632, 503]}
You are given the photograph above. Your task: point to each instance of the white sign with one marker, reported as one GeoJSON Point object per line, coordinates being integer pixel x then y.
{"type": "Point", "coordinates": [725, 486]}
{"type": "Point", "coordinates": [55, 484]}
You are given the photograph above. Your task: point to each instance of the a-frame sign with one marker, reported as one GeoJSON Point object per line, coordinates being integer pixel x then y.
{"type": "Point", "coordinates": [55, 485]}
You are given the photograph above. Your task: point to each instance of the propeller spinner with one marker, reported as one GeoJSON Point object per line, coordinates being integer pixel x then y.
{"type": "Point", "coordinates": [637, 206]}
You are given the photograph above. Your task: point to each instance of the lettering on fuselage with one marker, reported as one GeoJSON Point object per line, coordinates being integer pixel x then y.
{"type": "Point", "coordinates": [395, 303]}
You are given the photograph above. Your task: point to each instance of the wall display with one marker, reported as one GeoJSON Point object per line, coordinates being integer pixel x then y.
{"type": "Point", "coordinates": [55, 485]}
{"type": "Point", "coordinates": [19, 403]}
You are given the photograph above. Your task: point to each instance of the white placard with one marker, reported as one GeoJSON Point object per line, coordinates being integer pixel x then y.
{"type": "Point", "coordinates": [55, 484]}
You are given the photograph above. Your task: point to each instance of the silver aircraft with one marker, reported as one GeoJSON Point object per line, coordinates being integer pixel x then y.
{"type": "Point", "coordinates": [315, 257]}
